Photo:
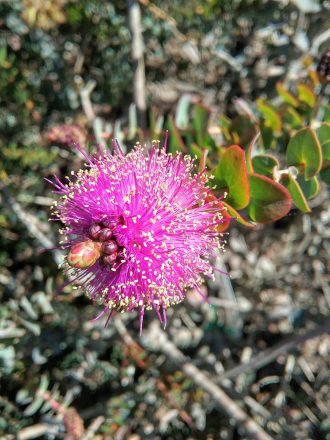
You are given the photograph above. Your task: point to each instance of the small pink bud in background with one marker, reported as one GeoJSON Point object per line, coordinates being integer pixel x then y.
{"type": "Point", "coordinates": [83, 254]}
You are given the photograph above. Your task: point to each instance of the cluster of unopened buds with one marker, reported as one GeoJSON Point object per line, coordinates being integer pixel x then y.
{"type": "Point", "coordinates": [100, 244]}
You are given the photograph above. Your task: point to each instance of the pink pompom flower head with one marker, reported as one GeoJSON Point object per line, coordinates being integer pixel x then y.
{"type": "Point", "coordinates": [139, 228]}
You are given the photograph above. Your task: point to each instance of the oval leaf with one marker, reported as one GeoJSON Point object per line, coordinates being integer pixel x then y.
{"type": "Point", "coordinates": [323, 133]}
{"type": "Point", "coordinates": [310, 188]}
{"type": "Point", "coordinates": [264, 164]}
{"type": "Point", "coordinates": [201, 116]}
{"type": "Point", "coordinates": [286, 95]}
{"type": "Point", "coordinates": [231, 175]}
{"type": "Point", "coordinates": [306, 95]}
{"type": "Point", "coordinates": [304, 149]}
{"type": "Point", "coordinates": [242, 130]}
{"type": "Point", "coordinates": [175, 140]}
{"type": "Point", "coordinates": [292, 118]}
{"type": "Point", "coordinates": [269, 201]}
{"type": "Point", "coordinates": [272, 119]}
{"type": "Point", "coordinates": [325, 175]}
{"type": "Point", "coordinates": [296, 192]}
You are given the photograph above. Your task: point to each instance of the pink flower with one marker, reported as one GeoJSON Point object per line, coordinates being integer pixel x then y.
{"type": "Point", "coordinates": [140, 229]}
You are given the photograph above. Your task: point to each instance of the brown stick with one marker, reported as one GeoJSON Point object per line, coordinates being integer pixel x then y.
{"type": "Point", "coordinates": [267, 356]}
{"type": "Point", "coordinates": [134, 17]}
{"type": "Point", "coordinates": [159, 340]}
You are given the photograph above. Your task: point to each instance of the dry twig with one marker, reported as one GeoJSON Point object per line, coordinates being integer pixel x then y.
{"type": "Point", "coordinates": [159, 340]}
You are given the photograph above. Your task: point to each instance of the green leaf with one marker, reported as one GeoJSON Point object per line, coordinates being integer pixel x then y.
{"type": "Point", "coordinates": [323, 133]}
{"type": "Point", "coordinates": [306, 95]}
{"type": "Point", "coordinates": [201, 115]}
{"type": "Point", "coordinates": [175, 140]}
{"type": "Point", "coordinates": [225, 124]}
{"type": "Point", "coordinates": [272, 119]}
{"type": "Point", "coordinates": [264, 164]}
{"type": "Point", "coordinates": [235, 214]}
{"type": "Point", "coordinates": [293, 118]}
{"type": "Point", "coordinates": [310, 188]}
{"type": "Point", "coordinates": [267, 136]}
{"type": "Point", "coordinates": [325, 175]}
{"type": "Point", "coordinates": [326, 113]}
{"type": "Point", "coordinates": [196, 151]}
{"type": "Point", "coordinates": [286, 95]}
{"type": "Point", "coordinates": [269, 200]}
{"type": "Point", "coordinates": [296, 192]}
{"type": "Point", "coordinates": [242, 130]}
{"type": "Point", "coordinates": [252, 151]}
{"type": "Point", "coordinates": [231, 176]}
{"type": "Point", "coordinates": [304, 150]}
{"type": "Point", "coordinates": [156, 123]}
{"type": "Point", "coordinates": [202, 160]}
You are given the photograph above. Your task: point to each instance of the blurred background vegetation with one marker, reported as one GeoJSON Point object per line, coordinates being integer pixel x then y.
{"type": "Point", "coordinates": [215, 73]}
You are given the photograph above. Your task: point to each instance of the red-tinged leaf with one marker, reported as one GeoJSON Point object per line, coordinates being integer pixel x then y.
{"type": "Point", "coordinates": [272, 119]}
{"type": "Point", "coordinates": [304, 150]}
{"type": "Point", "coordinates": [175, 140]}
{"type": "Point", "coordinates": [306, 95]}
{"type": "Point", "coordinates": [226, 217]}
{"type": "Point", "coordinates": [323, 133]}
{"type": "Point", "coordinates": [269, 200]}
{"type": "Point", "coordinates": [296, 192]}
{"type": "Point", "coordinates": [231, 176]}
{"type": "Point", "coordinates": [236, 215]}
{"type": "Point", "coordinates": [287, 97]}
{"type": "Point", "coordinates": [264, 164]}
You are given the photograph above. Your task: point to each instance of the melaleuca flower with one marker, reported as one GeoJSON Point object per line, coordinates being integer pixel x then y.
{"type": "Point", "coordinates": [139, 228]}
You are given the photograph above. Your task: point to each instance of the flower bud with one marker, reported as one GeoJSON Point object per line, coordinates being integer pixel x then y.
{"type": "Point", "coordinates": [109, 247]}
{"type": "Point", "coordinates": [105, 234]}
{"type": "Point", "coordinates": [83, 254]}
{"type": "Point", "coordinates": [110, 259]}
{"type": "Point", "coordinates": [110, 223]}
{"type": "Point", "coordinates": [95, 230]}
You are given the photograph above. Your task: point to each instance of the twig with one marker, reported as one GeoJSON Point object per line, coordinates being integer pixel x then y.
{"type": "Point", "coordinates": [134, 17]}
{"type": "Point", "coordinates": [31, 223]}
{"type": "Point", "coordinates": [85, 97]}
{"type": "Point", "coordinates": [93, 427]}
{"type": "Point", "coordinates": [159, 340]}
{"type": "Point", "coordinates": [137, 352]}
{"type": "Point", "coordinates": [267, 356]}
